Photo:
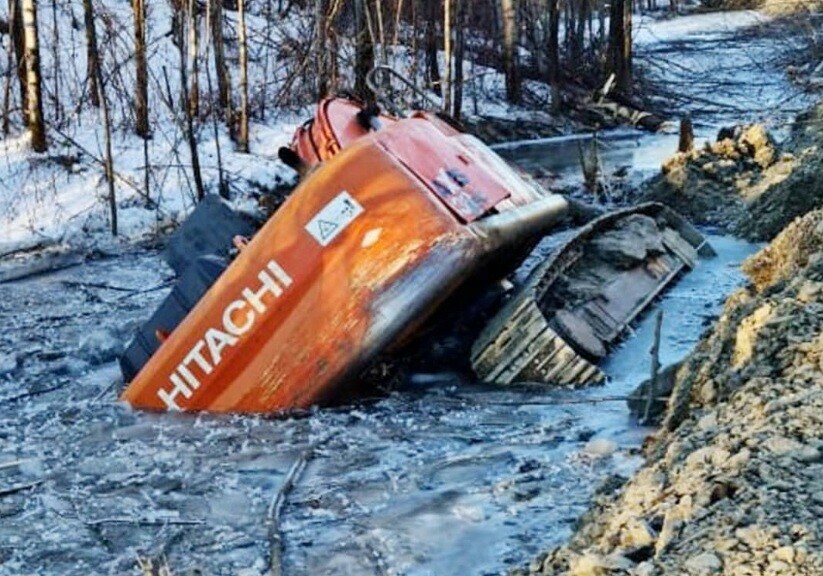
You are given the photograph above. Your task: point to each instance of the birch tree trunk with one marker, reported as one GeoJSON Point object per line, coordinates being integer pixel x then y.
{"type": "Point", "coordinates": [194, 65]}
{"type": "Point", "coordinates": [509, 15]}
{"type": "Point", "coordinates": [243, 136]}
{"type": "Point", "coordinates": [381, 32]}
{"type": "Point", "coordinates": [36, 124]}
{"type": "Point", "coordinates": [141, 86]}
{"type": "Point", "coordinates": [189, 128]}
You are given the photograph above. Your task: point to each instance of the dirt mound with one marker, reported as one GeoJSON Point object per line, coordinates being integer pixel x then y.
{"type": "Point", "coordinates": [744, 182]}
{"type": "Point", "coordinates": [712, 185]}
{"type": "Point", "coordinates": [799, 192]}
{"type": "Point", "coordinates": [735, 481]}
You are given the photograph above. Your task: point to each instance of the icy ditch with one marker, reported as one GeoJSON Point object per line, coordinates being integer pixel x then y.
{"type": "Point", "coordinates": [720, 68]}
{"type": "Point", "coordinates": [437, 479]}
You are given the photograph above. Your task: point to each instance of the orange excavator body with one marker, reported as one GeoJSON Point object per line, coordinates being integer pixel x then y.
{"type": "Point", "coordinates": [383, 230]}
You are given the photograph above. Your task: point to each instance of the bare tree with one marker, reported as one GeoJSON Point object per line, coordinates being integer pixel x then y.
{"type": "Point", "coordinates": [364, 49]}
{"type": "Point", "coordinates": [55, 61]}
{"type": "Point", "coordinates": [510, 64]}
{"type": "Point", "coordinates": [92, 57]}
{"type": "Point", "coordinates": [620, 44]}
{"type": "Point", "coordinates": [243, 136]}
{"type": "Point", "coordinates": [321, 14]}
{"type": "Point", "coordinates": [36, 124]}
{"type": "Point", "coordinates": [18, 44]}
{"type": "Point", "coordinates": [9, 73]}
{"type": "Point", "coordinates": [187, 112]}
{"type": "Point", "coordinates": [91, 38]}
{"type": "Point", "coordinates": [554, 53]}
{"type": "Point", "coordinates": [215, 8]}
{"type": "Point", "coordinates": [194, 65]}
{"type": "Point", "coordinates": [447, 53]}
{"type": "Point", "coordinates": [432, 66]}
{"type": "Point", "coordinates": [141, 85]}
{"type": "Point", "coordinates": [459, 54]}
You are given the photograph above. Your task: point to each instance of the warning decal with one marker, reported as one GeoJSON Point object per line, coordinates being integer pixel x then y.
{"type": "Point", "coordinates": [334, 218]}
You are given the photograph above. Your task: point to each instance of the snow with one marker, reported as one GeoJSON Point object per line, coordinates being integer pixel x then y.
{"type": "Point", "coordinates": [649, 29]}
{"type": "Point", "coordinates": [61, 195]}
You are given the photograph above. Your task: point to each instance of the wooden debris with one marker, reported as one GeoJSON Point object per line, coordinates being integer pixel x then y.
{"type": "Point", "coordinates": [655, 353]}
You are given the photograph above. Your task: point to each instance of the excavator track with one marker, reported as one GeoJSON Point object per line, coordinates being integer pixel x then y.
{"type": "Point", "coordinates": [576, 304]}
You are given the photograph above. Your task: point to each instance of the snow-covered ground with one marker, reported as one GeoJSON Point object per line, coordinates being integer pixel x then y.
{"type": "Point", "coordinates": [60, 195]}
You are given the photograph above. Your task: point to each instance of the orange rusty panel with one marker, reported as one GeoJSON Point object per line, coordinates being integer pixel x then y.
{"type": "Point", "coordinates": [437, 121]}
{"type": "Point", "coordinates": [291, 317]}
{"type": "Point", "coordinates": [450, 169]}
{"type": "Point", "coordinates": [334, 127]}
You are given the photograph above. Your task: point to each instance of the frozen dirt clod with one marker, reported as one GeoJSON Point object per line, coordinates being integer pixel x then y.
{"type": "Point", "coordinates": [734, 480]}
{"type": "Point", "coordinates": [712, 185]}
{"type": "Point", "coordinates": [100, 346]}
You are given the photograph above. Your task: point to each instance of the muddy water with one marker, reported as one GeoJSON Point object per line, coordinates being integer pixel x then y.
{"type": "Point", "coordinates": [439, 478]}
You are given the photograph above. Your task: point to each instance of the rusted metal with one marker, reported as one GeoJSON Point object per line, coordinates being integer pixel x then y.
{"type": "Point", "coordinates": [544, 335]}
{"type": "Point", "coordinates": [361, 253]}
{"type": "Point", "coordinates": [385, 225]}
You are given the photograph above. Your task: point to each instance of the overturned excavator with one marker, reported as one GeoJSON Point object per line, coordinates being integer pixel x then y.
{"type": "Point", "coordinates": [392, 216]}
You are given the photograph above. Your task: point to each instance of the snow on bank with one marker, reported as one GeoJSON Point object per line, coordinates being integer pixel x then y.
{"type": "Point", "coordinates": [61, 195]}
{"type": "Point", "coordinates": [650, 30]}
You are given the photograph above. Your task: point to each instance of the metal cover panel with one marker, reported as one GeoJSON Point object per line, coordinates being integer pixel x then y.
{"type": "Point", "coordinates": [450, 169]}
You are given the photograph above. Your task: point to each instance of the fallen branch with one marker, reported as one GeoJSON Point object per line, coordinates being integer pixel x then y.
{"type": "Point", "coordinates": [275, 509]}
{"type": "Point", "coordinates": [76, 284]}
{"type": "Point", "coordinates": [277, 503]}
{"type": "Point", "coordinates": [19, 488]}
{"type": "Point", "coordinates": [147, 290]}
{"type": "Point", "coordinates": [24, 395]}
{"type": "Point", "coordinates": [12, 248]}
{"type": "Point", "coordinates": [143, 522]}
{"type": "Point", "coordinates": [15, 463]}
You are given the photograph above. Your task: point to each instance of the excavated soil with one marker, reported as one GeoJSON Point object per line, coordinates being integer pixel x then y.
{"type": "Point", "coordinates": [745, 182]}
{"type": "Point", "coordinates": [733, 482]}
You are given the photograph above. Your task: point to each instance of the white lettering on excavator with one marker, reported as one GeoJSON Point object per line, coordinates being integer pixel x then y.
{"type": "Point", "coordinates": [238, 318]}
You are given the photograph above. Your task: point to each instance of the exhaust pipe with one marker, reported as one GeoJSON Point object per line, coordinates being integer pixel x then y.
{"type": "Point", "coordinates": [512, 227]}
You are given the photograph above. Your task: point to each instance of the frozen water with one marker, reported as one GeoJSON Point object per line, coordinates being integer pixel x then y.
{"type": "Point", "coordinates": [434, 479]}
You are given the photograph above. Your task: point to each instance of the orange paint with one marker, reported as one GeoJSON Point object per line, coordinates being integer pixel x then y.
{"type": "Point", "coordinates": [364, 248]}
